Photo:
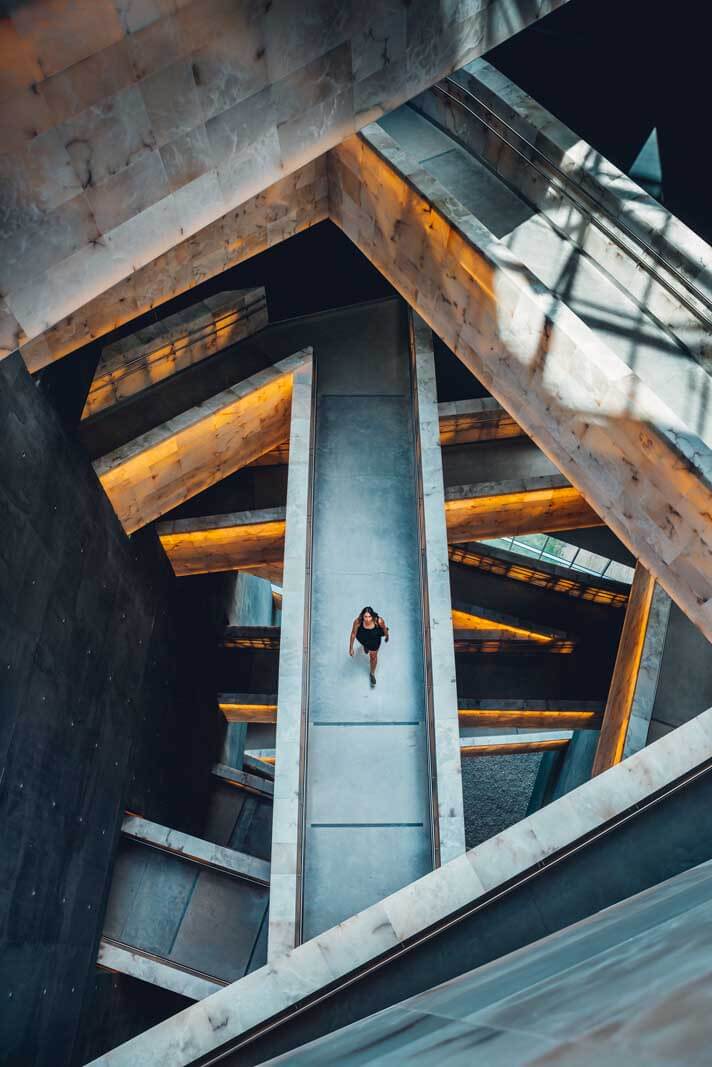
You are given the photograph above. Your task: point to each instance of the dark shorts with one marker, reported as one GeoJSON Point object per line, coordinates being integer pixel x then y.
{"type": "Point", "coordinates": [371, 644]}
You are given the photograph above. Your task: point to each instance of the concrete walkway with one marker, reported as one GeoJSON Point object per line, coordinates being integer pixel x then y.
{"type": "Point", "coordinates": [368, 821]}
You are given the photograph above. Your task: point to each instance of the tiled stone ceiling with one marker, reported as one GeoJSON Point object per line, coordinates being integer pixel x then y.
{"type": "Point", "coordinates": [129, 125]}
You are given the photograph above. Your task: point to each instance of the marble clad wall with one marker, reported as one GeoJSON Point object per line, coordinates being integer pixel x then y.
{"type": "Point", "coordinates": [129, 125]}
{"type": "Point", "coordinates": [159, 350]}
{"type": "Point", "coordinates": [639, 466]}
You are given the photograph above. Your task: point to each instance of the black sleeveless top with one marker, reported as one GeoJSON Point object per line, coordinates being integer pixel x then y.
{"type": "Point", "coordinates": [370, 639]}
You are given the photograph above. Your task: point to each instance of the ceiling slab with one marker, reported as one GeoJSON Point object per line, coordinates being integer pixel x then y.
{"type": "Point", "coordinates": [172, 463]}
{"type": "Point", "coordinates": [130, 127]}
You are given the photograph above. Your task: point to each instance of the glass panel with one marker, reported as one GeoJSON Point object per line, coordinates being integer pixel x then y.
{"type": "Point", "coordinates": [618, 572]}
{"type": "Point", "coordinates": [559, 551]}
{"type": "Point", "coordinates": [590, 561]}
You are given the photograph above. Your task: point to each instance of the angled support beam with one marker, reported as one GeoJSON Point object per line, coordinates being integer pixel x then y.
{"type": "Point", "coordinates": [242, 541]}
{"type": "Point", "coordinates": [648, 672]}
{"type": "Point", "coordinates": [619, 705]}
{"type": "Point", "coordinates": [206, 853]}
{"type": "Point", "coordinates": [166, 466]}
{"type": "Point", "coordinates": [160, 350]}
{"type": "Point", "coordinates": [124, 959]}
{"type": "Point", "coordinates": [239, 779]}
{"type": "Point", "coordinates": [501, 509]}
{"type": "Point", "coordinates": [645, 471]}
{"type": "Point", "coordinates": [252, 190]}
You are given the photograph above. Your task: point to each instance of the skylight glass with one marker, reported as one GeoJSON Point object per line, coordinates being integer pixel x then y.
{"type": "Point", "coordinates": [550, 549]}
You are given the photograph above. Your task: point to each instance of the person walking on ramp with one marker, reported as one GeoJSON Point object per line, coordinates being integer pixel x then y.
{"type": "Point", "coordinates": [368, 629]}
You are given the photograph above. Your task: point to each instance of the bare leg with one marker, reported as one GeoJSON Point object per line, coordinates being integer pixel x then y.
{"type": "Point", "coordinates": [373, 663]}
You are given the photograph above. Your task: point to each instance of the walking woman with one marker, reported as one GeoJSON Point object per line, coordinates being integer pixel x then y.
{"type": "Point", "coordinates": [368, 629]}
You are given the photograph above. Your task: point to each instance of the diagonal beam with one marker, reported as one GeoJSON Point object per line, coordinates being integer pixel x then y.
{"type": "Point", "coordinates": [645, 472]}
{"type": "Point", "coordinates": [161, 469]}
{"type": "Point", "coordinates": [500, 509]}
{"type": "Point", "coordinates": [625, 673]}
{"type": "Point", "coordinates": [248, 707]}
{"type": "Point", "coordinates": [156, 352]}
{"type": "Point", "coordinates": [246, 540]}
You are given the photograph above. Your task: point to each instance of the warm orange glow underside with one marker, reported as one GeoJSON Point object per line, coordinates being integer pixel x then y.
{"type": "Point", "coordinates": [513, 748]}
{"type": "Point", "coordinates": [249, 712]}
{"type": "Point", "coordinates": [226, 548]}
{"type": "Point", "coordinates": [575, 587]}
{"type": "Point", "coordinates": [562, 720]}
{"type": "Point", "coordinates": [146, 484]}
{"type": "Point", "coordinates": [537, 511]}
{"type": "Point", "coordinates": [463, 620]}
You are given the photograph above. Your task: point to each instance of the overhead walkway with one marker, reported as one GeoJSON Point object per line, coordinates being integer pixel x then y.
{"type": "Point", "coordinates": [361, 799]}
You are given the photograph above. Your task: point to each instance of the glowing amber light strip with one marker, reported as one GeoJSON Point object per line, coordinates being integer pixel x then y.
{"type": "Point", "coordinates": [542, 579]}
{"type": "Point", "coordinates": [249, 712]}
{"type": "Point", "coordinates": [463, 620]}
{"type": "Point", "coordinates": [513, 719]}
{"type": "Point", "coordinates": [513, 748]}
{"type": "Point", "coordinates": [177, 460]}
{"type": "Point", "coordinates": [514, 645]}
{"type": "Point", "coordinates": [528, 511]}
{"type": "Point", "coordinates": [625, 673]}
{"type": "Point", "coordinates": [225, 548]}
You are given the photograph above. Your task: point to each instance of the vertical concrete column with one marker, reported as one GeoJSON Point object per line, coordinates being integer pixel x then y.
{"type": "Point", "coordinates": [285, 884]}
{"type": "Point", "coordinates": [445, 762]}
{"type": "Point", "coordinates": [625, 672]}
{"type": "Point", "coordinates": [646, 686]}
{"type": "Point", "coordinates": [251, 605]}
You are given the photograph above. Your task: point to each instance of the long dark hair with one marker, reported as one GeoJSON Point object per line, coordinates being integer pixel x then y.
{"type": "Point", "coordinates": [374, 615]}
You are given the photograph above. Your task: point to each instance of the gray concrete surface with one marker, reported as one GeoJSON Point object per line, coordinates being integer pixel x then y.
{"type": "Point", "coordinates": [496, 791]}
{"type": "Point", "coordinates": [630, 984]}
{"type": "Point", "coordinates": [367, 821]}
